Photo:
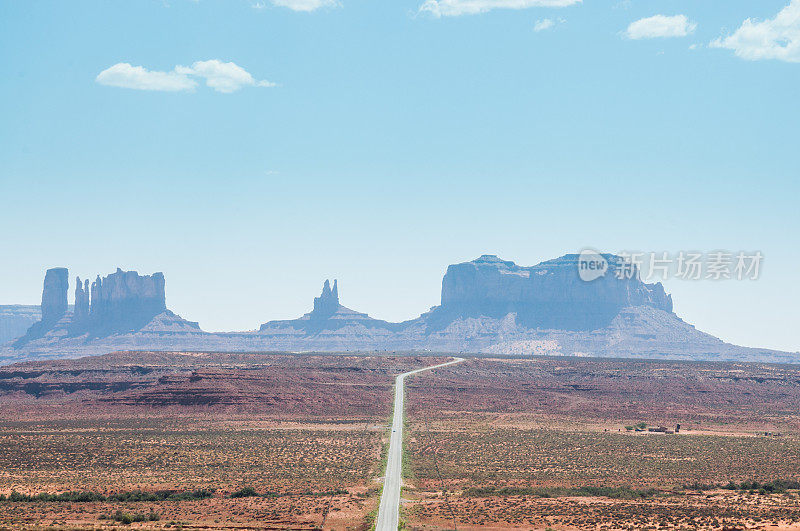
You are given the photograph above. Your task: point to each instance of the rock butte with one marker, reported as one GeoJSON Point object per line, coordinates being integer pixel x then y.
{"type": "Point", "coordinates": [123, 302]}
{"type": "Point", "coordinates": [488, 306]}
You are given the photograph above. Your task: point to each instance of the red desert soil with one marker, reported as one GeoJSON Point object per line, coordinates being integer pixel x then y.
{"type": "Point", "coordinates": [491, 443]}
{"type": "Point", "coordinates": [306, 433]}
{"type": "Point", "coordinates": [509, 440]}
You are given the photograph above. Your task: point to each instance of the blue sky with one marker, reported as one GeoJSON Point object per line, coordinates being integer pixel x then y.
{"type": "Point", "coordinates": [378, 142]}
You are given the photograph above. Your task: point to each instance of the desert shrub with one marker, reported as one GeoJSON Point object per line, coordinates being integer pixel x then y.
{"type": "Point", "coordinates": [250, 492]}
{"type": "Point", "coordinates": [70, 497]}
{"type": "Point", "coordinates": [775, 486]}
{"type": "Point", "coordinates": [160, 495]}
{"type": "Point", "coordinates": [245, 492]}
{"type": "Point", "coordinates": [130, 496]}
{"type": "Point", "coordinates": [127, 518]}
{"type": "Point", "coordinates": [199, 494]}
{"type": "Point", "coordinates": [123, 518]}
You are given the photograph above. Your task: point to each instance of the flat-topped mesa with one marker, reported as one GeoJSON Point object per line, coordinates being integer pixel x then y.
{"type": "Point", "coordinates": [548, 295]}
{"type": "Point", "coordinates": [125, 301]}
{"type": "Point", "coordinates": [327, 303]}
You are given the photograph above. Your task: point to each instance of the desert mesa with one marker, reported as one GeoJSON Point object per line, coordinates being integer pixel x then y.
{"type": "Point", "coordinates": [488, 306]}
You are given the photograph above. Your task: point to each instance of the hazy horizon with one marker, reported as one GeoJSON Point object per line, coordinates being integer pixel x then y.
{"type": "Point", "coordinates": [304, 305]}
{"type": "Point", "coordinates": [380, 143]}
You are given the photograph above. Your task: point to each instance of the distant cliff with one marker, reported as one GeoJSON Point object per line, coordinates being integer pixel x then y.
{"type": "Point", "coordinates": [122, 302]}
{"type": "Point", "coordinates": [53, 307]}
{"type": "Point", "coordinates": [125, 301]}
{"type": "Point", "coordinates": [488, 306]}
{"type": "Point", "coordinates": [549, 295]}
{"type": "Point", "coordinates": [54, 295]}
{"type": "Point", "coordinates": [16, 319]}
{"type": "Point", "coordinates": [328, 316]}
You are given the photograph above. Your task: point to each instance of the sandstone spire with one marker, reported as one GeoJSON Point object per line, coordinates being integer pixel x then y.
{"type": "Point", "coordinates": [54, 304]}
{"type": "Point", "coordinates": [328, 302]}
{"type": "Point", "coordinates": [81, 313]}
{"type": "Point", "coordinates": [54, 294]}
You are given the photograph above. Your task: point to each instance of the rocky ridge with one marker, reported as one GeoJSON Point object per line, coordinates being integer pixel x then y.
{"type": "Point", "coordinates": [488, 306]}
{"type": "Point", "coordinates": [122, 302]}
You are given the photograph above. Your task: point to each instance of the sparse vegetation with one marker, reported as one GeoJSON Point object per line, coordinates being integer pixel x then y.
{"type": "Point", "coordinates": [288, 444]}
{"type": "Point", "coordinates": [128, 518]}
{"type": "Point", "coordinates": [767, 487]}
{"type": "Point", "coordinates": [624, 493]}
{"type": "Point", "coordinates": [245, 492]}
{"type": "Point", "coordinates": [520, 443]}
{"type": "Point", "coordinates": [529, 444]}
{"type": "Point", "coordinates": [130, 496]}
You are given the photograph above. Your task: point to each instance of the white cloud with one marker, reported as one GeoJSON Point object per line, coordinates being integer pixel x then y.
{"type": "Point", "coordinates": [543, 24]}
{"type": "Point", "coordinates": [660, 26]}
{"type": "Point", "coordinates": [454, 8]}
{"type": "Point", "coordinates": [220, 76]}
{"type": "Point", "coordinates": [305, 5]}
{"type": "Point", "coordinates": [136, 77]}
{"type": "Point", "coordinates": [777, 38]}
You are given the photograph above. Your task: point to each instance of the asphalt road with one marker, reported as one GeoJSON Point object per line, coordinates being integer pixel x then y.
{"type": "Point", "coordinates": [389, 509]}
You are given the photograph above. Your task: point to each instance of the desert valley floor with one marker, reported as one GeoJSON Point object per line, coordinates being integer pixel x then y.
{"type": "Point", "coordinates": [254, 441]}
